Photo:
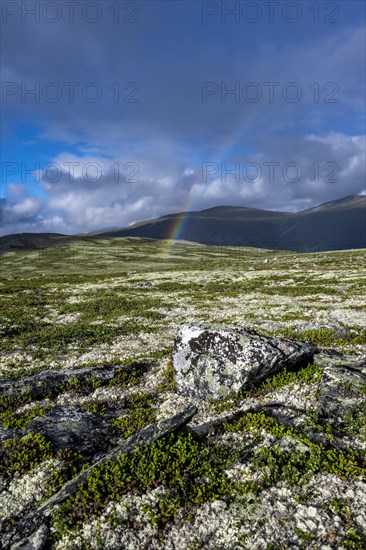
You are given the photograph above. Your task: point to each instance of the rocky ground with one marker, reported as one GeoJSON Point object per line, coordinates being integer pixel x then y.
{"type": "Point", "coordinates": [182, 398]}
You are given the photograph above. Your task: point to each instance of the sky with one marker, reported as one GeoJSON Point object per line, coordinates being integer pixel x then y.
{"type": "Point", "coordinates": [114, 112]}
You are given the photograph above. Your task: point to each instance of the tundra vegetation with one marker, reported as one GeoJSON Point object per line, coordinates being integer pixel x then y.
{"type": "Point", "coordinates": [262, 468]}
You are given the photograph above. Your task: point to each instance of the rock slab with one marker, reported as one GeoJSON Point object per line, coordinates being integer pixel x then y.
{"type": "Point", "coordinates": [210, 363]}
{"type": "Point", "coordinates": [342, 391]}
{"type": "Point", "coordinates": [72, 428]}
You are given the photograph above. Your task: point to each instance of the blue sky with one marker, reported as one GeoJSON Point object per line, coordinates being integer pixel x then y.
{"type": "Point", "coordinates": [183, 131]}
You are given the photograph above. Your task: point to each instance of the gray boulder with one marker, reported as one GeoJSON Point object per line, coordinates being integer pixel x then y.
{"type": "Point", "coordinates": [73, 428]}
{"type": "Point", "coordinates": [209, 363]}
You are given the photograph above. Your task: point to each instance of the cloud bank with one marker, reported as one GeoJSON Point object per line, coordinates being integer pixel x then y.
{"type": "Point", "coordinates": [154, 141]}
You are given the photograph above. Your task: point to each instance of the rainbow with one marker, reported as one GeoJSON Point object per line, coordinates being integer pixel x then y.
{"type": "Point", "coordinates": [177, 228]}
{"type": "Point", "coordinates": [224, 151]}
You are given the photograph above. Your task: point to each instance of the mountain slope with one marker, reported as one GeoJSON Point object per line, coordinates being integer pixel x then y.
{"type": "Point", "coordinates": [334, 225]}
{"type": "Point", "coordinates": [32, 240]}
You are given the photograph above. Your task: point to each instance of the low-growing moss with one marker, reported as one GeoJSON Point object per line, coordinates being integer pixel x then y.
{"type": "Point", "coordinates": [131, 423]}
{"type": "Point", "coordinates": [353, 540]}
{"type": "Point", "coordinates": [17, 371]}
{"type": "Point", "coordinates": [296, 468]}
{"type": "Point", "coordinates": [10, 402]}
{"type": "Point", "coordinates": [47, 341]}
{"type": "Point", "coordinates": [70, 464]}
{"type": "Point", "coordinates": [95, 407]}
{"type": "Point", "coordinates": [327, 336]}
{"type": "Point", "coordinates": [304, 535]}
{"type": "Point", "coordinates": [320, 336]}
{"type": "Point", "coordinates": [157, 354]}
{"type": "Point", "coordinates": [305, 497]}
{"type": "Point", "coordinates": [353, 424]}
{"type": "Point", "coordinates": [174, 286]}
{"type": "Point", "coordinates": [255, 422]}
{"type": "Point", "coordinates": [360, 338]}
{"type": "Point", "coordinates": [167, 383]}
{"type": "Point", "coordinates": [308, 375]}
{"type": "Point", "coordinates": [341, 508]}
{"type": "Point", "coordinates": [111, 305]}
{"type": "Point", "coordinates": [9, 415]}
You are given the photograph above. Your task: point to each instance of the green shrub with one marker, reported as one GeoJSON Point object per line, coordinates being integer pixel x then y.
{"type": "Point", "coordinates": [140, 413]}
{"type": "Point", "coordinates": [23, 454]}
{"type": "Point", "coordinates": [131, 375]}
{"type": "Point", "coordinates": [190, 471]}
{"type": "Point", "coordinates": [20, 420]}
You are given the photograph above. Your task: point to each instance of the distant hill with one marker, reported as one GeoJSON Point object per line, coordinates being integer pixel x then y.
{"type": "Point", "coordinates": [334, 225]}
{"type": "Point", "coordinates": [20, 241]}
{"type": "Point", "coordinates": [36, 241]}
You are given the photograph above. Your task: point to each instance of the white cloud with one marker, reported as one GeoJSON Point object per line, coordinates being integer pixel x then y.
{"type": "Point", "coordinates": [79, 205]}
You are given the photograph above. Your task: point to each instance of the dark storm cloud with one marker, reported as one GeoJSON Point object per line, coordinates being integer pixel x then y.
{"type": "Point", "coordinates": [162, 65]}
{"type": "Point", "coordinates": [169, 67]}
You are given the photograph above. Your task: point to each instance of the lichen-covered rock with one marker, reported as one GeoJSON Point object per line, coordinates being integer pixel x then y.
{"type": "Point", "coordinates": [72, 428]}
{"type": "Point", "coordinates": [342, 391]}
{"type": "Point", "coordinates": [49, 382]}
{"type": "Point", "coordinates": [36, 542]}
{"type": "Point", "coordinates": [212, 362]}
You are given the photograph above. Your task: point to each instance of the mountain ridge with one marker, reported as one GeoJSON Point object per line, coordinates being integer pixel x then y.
{"type": "Point", "coordinates": [334, 225]}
